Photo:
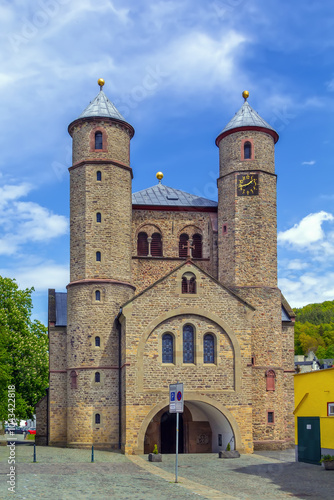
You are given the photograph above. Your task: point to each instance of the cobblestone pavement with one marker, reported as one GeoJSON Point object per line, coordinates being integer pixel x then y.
{"type": "Point", "coordinates": [61, 474]}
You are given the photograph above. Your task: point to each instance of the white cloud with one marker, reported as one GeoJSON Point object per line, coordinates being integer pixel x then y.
{"type": "Point", "coordinates": [309, 288]}
{"type": "Point", "coordinates": [307, 232]}
{"type": "Point", "coordinates": [22, 222]}
{"type": "Point", "coordinates": [296, 265]}
{"type": "Point", "coordinates": [312, 162]}
{"type": "Point", "coordinates": [40, 276]}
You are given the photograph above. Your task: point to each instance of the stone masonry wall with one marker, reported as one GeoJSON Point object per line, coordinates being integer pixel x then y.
{"type": "Point", "coordinates": [248, 247]}
{"type": "Point", "coordinates": [170, 224]}
{"type": "Point", "coordinates": [147, 379]}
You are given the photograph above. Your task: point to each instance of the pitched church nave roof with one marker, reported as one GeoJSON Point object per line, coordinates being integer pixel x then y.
{"type": "Point", "coordinates": [161, 195]}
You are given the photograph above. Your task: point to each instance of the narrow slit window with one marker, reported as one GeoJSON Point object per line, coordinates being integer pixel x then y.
{"type": "Point", "coordinates": [270, 417]}
{"type": "Point", "coordinates": [97, 418]}
{"type": "Point", "coordinates": [247, 150]}
{"type": "Point", "coordinates": [74, 382]}
{"type": "Point", "coordinates": [98, 140]}
{"type": "Point", "coordinates": [98, 217]}
{"type": "Point", "coordinates": [99, 175]}
{"type": "Point", "coordinates": [98, 256]}
{"type": "Point", "coordinates": [97, 377]}
{"type": "Point", "coordinates": [97, 295]}
{"type": "Point", "coordinates": [97, 341]}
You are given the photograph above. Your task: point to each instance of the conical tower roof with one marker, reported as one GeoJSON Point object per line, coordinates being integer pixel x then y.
{"type": "Point", "coordinates": [247, 119]}
{"type": "Point", "coordinates": [102, 107]}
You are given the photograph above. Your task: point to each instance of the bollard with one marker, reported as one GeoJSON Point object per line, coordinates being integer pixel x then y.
{"type": "Point", "coordinates": [34, 452]}
{"type": "Point", "coordinates": [92, 454]}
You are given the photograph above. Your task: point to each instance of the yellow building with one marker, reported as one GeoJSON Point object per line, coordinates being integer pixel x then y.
{"type": "Point", "coordinates": [314, 414]}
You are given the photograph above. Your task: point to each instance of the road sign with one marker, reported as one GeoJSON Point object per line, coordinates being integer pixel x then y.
{"type": "Point", "coordinates": [176, 398]}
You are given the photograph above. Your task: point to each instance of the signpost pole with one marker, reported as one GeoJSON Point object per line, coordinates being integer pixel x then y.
{"type": "Point", "coordinates": [177, 445]}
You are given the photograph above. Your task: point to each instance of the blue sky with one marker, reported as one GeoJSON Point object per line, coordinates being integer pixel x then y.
{"type": "Point", "coordinates": [176, 71]}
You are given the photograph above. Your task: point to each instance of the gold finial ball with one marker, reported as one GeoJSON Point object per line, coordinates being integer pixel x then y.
{"type": "Point", "coordinates": [159, 176]}
{"type": "Point", "coordinates": [245, 94]}
{"type": "Point", "coordinates": [100, 82]}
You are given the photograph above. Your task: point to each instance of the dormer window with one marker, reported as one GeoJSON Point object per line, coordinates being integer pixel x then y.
{"type": "Point", "coordinates": [98, 140]}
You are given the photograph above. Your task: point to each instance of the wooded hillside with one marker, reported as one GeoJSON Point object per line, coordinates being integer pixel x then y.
{"type": "Point", "coordinates": [314, 329]}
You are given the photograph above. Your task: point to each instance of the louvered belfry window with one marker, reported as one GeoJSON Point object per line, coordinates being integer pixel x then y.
{"type": "Point", "coordinates": [192, 285]}
{"type": "Point", "coordinates": [197, 243]}
{"type": "Point", "coordinates": [183, 251]}
{"type": "Point", "coordinates": [142, 245]}
{"type": "Point", "coordinates": [184, 285]}
{"type": "Point", "coordinates": [188, 344]}
{"type": "Point", "coordinates": [156, 245]}
{"type": "Point", "coordinates": [188, 283]}
{"type": "Point", "coordinates": [209, 348]}
{"type": "Point", "coordinates": [167, 348]}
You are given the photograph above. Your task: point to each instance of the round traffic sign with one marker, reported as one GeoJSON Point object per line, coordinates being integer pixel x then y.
{"type": "Point", "coordinates": [179, 396]}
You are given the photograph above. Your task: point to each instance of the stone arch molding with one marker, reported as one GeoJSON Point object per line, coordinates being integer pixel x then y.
{"type": "Point", "coordinates": [189, 396]}
{"type": "Point", "coordinates": [180, 311]}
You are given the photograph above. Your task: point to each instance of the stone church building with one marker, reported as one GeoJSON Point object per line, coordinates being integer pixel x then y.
{"type": "Point", "coordinates": [166, 286]}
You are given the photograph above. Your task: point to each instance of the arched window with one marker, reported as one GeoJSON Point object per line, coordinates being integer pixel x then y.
{"type": "Point", "coordinates": [142, 245]}
{"type": "Point", "coordinates": [98, 256]}
{"type": "Point", "coordinates": [98, 140]}
{"type": "Point", "coordinates": [209, 348]}
{"type": "Point", "coordinates": [97, 377]}
{"type": "Point", "coordinates": [183, 245]}
{"type": "Point", "coordinates": [156, 245]}
{"type": "Point", "coordinates": [188, 283]}
{"type": "Point", "coordinates": [188, 344]}
{"type": "Point", "coordinates": [97, 295]}
{"type": "Point", "coordinates": [98, 217]}
{"type": "Point", "coordinates": [97, 418]}
{"type": "Point", "coordinates": [97, 342]}
{"type": "Point", "coordinates": [74, 376]}
{"type": "Point", "coordinates": [270, 376]}
{"type": "Point", "coordinates": [167, 348]}
{"type": "Point", "coordinates": [197, 244]}
{"type": "Point", "coordinates": [99, 175]}
{"type": "Point", "coordinates": [247, 150]}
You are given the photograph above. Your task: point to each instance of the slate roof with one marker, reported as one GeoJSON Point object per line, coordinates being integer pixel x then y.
{"type": "Point", "coordinates": [162, 195]}
{"type": "Point", "coordinates": [61, 309]}
{"type": "Point", "coordinates": [102, 107]}
{"type": "Point", "coordinates": [246, 117]}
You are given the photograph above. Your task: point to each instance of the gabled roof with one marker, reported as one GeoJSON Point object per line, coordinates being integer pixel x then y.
{"type": "Point", "coordinates": [101, 107]}
{"type": "Point", "coordinates": [161, 195]}
{"type": "Point", "coordinates": [186, 263]}
{"type": "Point", "coordinates": [247, 118]}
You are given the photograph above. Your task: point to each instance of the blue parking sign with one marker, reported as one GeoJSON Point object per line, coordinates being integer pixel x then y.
{"type": "Point", "coordinates": [172, 396]}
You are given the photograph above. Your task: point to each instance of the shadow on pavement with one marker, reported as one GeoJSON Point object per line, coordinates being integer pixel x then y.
{"type": "Point", "coordinates": [304, 481]}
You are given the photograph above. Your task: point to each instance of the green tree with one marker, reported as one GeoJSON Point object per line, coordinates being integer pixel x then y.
{"type": "Point", "coordinates": [23, 351]}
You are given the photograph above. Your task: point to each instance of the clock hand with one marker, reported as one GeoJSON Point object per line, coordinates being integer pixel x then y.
{"type": "Point", "coordinates": [245, 185]}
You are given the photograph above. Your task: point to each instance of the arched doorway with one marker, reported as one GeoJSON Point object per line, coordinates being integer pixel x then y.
{"type": "Point", "coordinates": [203, 429]}
{"type": "Point", "coordinates": [168, 432]}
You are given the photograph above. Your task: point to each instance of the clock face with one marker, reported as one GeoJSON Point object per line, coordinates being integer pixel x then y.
{"type": "Point", "coordinates": [247, 184]}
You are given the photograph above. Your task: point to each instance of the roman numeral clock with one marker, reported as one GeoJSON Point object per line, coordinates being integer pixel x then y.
{"type": "Point", "coordinates": [247, 184]}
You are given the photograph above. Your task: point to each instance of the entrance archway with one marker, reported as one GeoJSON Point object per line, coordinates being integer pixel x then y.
{"type": "Point", "coordinates": [168, 432]}
{"type": "Point", "coordinates": [203, 429]}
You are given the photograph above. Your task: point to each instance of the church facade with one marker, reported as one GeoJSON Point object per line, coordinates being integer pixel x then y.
{"type": "Point", "coordinates": [166, 286]}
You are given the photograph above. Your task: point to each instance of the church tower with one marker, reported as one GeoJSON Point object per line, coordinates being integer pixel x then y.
{"type": "Point", "coordinates": [247, 258]}
{"type": "Point", "coordinates": [100, 270]}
